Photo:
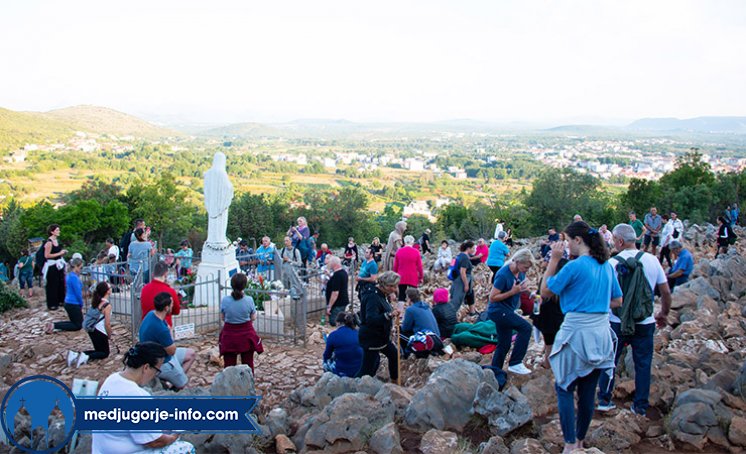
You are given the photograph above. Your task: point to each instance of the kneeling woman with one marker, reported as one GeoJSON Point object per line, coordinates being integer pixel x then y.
{"type": "Point", "coordinates": [142, 363]}
{"type": "Point", "coordinates": [584, 346]}
{"type": "Point", "coordinates": [343, 354]}
{"type": "Point", "coordinates": [238, 336]}
{"type": "Point", "coordinates": [376, 320]}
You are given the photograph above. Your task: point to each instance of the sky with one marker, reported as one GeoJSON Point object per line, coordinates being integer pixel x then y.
{"type": "Point", "coordinates": [500, 61]}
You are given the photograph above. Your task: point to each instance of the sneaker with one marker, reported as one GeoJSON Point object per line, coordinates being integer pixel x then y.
{"type": "Point", "coordinates": [605, 406]}
{"type": "Point", "coordinates": [49, 328]}
{"type": "Point", "coordinates": [519, 369]}
{"type": "Point", "coordinates": [82, 359]}
{"type": "Point", "coordinates": [636, 411]}
{"type": "Point", "coordinates": [71, 357]}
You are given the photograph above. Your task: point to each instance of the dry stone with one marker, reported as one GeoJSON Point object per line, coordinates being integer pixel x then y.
{"type": "Point", "coordinates": [438, 442]}
{"type": "Point", "coordinates": [495, 445]}
{"type": "Point", "coordinates": [505, 411]}
{"type": "Point", "coordinates": [386, 440]}
{"type": "Point", "coordinates": [283, 444]}
{"type": "Point", "coordinates": [737, 431]}
{"type": "Point", "coordinates": [527, 446]}
{"type": "Point", "coordinates": [234, 381]}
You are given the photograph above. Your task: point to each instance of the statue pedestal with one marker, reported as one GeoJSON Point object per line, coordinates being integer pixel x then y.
{"type": "Point", "coordinates": [218, 262]}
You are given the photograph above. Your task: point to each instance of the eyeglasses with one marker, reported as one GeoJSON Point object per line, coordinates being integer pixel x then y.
{"type": "Point", "coordinates": [157, 371]}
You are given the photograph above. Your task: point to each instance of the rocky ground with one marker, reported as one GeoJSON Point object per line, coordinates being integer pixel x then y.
{"type": "Point", "coordinates": [449, 404]}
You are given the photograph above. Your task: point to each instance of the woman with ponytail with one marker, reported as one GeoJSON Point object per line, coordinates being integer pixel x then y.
{"type": "Point", "coordinates": [142, 364]}
{"type": "Point", "coordinates": [238, 336]}
{"type": "Point", "coordinates": [343, 355]}
{"type": "Point", "coordinates": [585, 344]}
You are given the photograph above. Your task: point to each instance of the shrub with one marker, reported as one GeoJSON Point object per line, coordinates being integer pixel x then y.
{"type": "Point", "coordinates": [9, 298]}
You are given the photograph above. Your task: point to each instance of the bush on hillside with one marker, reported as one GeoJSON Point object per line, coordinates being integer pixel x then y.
{"type": "Point", "coordinates": [9, 298]}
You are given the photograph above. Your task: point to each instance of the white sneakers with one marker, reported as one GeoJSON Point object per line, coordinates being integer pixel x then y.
{"type": "Point", "coordinates": [78, 358]}
{"type": "Point", "coordinates": [519, 369]}
{"type": "Point", "coordinates": [71, 357]}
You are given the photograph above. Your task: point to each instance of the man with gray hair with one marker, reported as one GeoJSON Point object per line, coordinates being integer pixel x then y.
{"type": "Point", "coordinates": [682, 267]}
{"type": "Point", "coordinates": [641, 341]}
{"type": "Point", "coordinates": [337, 296]}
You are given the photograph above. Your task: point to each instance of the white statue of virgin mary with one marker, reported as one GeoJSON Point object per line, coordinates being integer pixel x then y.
{"type": "Point", "coordinates": [218, 196]}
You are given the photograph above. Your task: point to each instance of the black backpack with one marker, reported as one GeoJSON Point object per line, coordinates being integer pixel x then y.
{"type": "Point", "coordinates": [39, 258]}
{"type": "Point", "coordinates": [732, 237]}
{"type": "Point", "coordinates": [92, 317]}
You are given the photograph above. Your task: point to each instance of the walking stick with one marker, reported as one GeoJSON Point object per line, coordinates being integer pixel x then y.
{"type": "Point", "coordinates": [398, 352]}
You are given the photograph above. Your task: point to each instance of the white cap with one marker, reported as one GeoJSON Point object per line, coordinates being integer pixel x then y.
{"type": "Point", "coordinates": [78, 255]}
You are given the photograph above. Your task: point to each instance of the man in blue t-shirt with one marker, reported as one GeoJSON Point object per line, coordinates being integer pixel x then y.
{"type": "Point", "coordinates": [155, 329]}
{"type": "Point", "coordinates": [683, 266]}
{"type": "Point", "coordinates": [504, 299]}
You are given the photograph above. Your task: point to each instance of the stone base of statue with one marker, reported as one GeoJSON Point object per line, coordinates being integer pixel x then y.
{"type": "Point", "coordinates": [218, 262]}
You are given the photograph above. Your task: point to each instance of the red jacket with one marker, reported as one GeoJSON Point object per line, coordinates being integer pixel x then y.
{"type": "Point", "coordinates": [147, 298]}
{"type": "Point", "coordinates": [408, 264]}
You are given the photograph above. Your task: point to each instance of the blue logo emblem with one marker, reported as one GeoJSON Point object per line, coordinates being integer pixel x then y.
{"type": "Point", "coordinates": [38, 414]}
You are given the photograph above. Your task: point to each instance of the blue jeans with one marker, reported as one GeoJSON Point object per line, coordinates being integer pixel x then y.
{"type": "Point", "coordinates": [506, 320]}
{"type": "Point", "coordinates": [572, 429]}
{"type": "Point", "coordinates": [642, 354]}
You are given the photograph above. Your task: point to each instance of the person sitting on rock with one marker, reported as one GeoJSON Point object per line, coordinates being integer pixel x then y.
{"type": "Point", "coordinates": [682, 267]}
{"type": "Point", "coordinates": [420, 329]}
{"type": "Point", "coordinates": [155, 329]}
{"type": "Point", "coordinates": [142, 363]}
{"type": "Point", "coordinates": [343, 355]}
{"type": "Point", "coordinates": [443, 261]}
{"type": "Point", "coordinates": [445, 314]}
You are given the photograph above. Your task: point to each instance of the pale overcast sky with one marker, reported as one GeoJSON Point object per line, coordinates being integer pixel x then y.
{"type": "Point", "coordinates": [377, 60]}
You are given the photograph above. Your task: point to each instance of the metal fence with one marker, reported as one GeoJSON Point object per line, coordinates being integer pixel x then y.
{"type": "Point", "coordinates": [283, 293]}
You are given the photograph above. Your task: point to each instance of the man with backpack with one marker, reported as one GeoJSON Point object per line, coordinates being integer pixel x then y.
{"type": "Point", "coordinates": [639, 274]}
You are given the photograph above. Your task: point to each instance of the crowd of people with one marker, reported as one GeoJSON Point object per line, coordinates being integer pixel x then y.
{"type": "Point", "coordinates": [587, 305]}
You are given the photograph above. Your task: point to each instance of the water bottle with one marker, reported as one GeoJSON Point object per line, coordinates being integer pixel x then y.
{"type": "Point", "coordinates": [537, 304]}
{"type": "Point", "coordinates": [323, 318]}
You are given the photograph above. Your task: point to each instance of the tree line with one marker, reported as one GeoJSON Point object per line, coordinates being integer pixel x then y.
{"type": "Point", "coordinates": [100, 209]}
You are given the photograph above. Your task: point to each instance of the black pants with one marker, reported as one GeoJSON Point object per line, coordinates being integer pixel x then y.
{"type": "Point", "coordinates": [494, 270]}
{"type": "Point", "coordinates": [666, 255]}
{"type": "Point", "coordinates": [75, 313]}
{"type": "Point", "coordinates": [403, 291]}
{"type": "Point", "coordinates": [372, 359]}
{"type": "Point", "coordinates": [100, 343]}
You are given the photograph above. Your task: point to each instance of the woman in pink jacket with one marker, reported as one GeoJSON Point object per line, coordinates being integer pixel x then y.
{"type": "Point", "coordinates": [408, 264]}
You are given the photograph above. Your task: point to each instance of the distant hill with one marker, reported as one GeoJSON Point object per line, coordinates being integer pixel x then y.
{"type": "Point", "coordinates": [20, 128]}
{"type": "Point", "coordinates": [245, 130]}
{"type": "Point", "coordinates": [102, 120]}
{"type": "Point", "coordinates": [735, 125]}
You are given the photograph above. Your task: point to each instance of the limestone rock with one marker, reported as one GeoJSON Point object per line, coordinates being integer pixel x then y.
{"type": "Point", "coordinates": [495, 445]}
{"type": "Point", "coordinates": [445, 402]}
{"type": "Point", "coordinates": [541, 395]}
{"type": "Point", "coordinates": [617, 433]}
{"type": "Point", "coordinates": [386, 440]}
{"type": "Point", "coordinates": [505, 411]}
{"type": "Point", "coordinates": [345, 424]}
{"type": "Point", "coordinates": [438, 442]}
{"type": "Point", "coordinates": [283, 444]}
{"type": "Point", "coordinates": [234, 381]}
{"type": "Point", "coordinates": [396, 396]}
{"type": "Point", "coordinates": [277, 421]}
{"type": "Point", "coordinates": [527, 446]}
{"type": "Point", "coordinates": [231, 442]}
{"type": "Point", "coordinates": [737, 431]}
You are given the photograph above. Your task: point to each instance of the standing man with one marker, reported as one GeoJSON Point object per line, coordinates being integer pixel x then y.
{"type": "Point", "coordinates": [408, 265]}
{"type": "Point", "coordinates": [678, 226]}
{"type": "Point", "coordinates": [244, 256]}
{"type": "Point", "coordinates": [682, 267]}
{"type": "Point", "coordinates": [337, 296]}
{"type": "Point", "coordinates": [499, 252]}
{"type": "Point", "coordinates": [734, 213]}
{"type": "Point", "coordinates": [639, 228]}
{"type": "Point", "coordinates": [156, 286]}
{"type": "Point", "coordinates": [641, 340]}
{"type": "Point", "coordinates": [653, 226]}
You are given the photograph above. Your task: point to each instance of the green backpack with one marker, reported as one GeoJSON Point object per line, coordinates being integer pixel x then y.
{"type": "Point", "coordinates": [637, 302]}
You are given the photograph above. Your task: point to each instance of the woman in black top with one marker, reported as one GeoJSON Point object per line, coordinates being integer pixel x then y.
{"type": "Point", "coordinates": [549, 319]}
{"type": "Point", "coordinates": [723, 234]}
{"type": "Point", "coordinates": [377, 249]}
{"type": "Point", "coordinates": [376, 321]}
{"type": "Point", "coordinates": [54, 269]}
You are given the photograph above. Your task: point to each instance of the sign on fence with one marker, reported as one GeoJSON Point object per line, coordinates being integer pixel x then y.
{"type": "Point", "coordinates": [184, 331]}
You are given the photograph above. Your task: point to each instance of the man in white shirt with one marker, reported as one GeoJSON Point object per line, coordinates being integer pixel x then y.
{"type": "Point", "coordinates": [678, 226]}
{"type": "Point", "coordinates": [642, 340]}
{"type": "Point", "coordinates": [666, 238]}
{"type": "Point", "coordinates": [112, 249]}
